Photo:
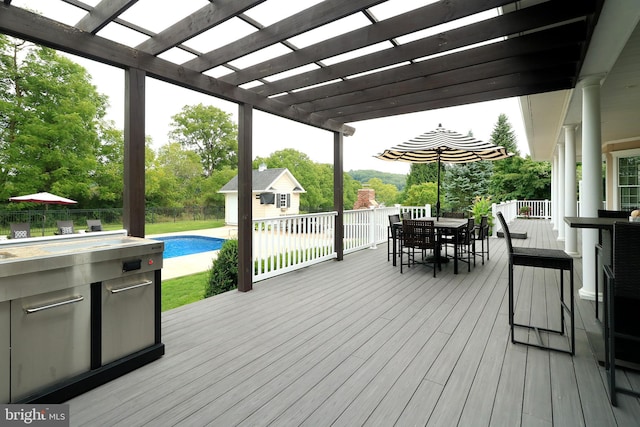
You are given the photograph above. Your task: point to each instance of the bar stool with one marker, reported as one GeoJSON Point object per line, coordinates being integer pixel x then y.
{"type": "Point", "coordinates": [542, 258]}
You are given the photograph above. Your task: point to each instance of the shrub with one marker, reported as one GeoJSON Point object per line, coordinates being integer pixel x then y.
{"type": "Point", "coordinates": [481, 207]}
{"type": "Point", "coordinates": [223, 275]}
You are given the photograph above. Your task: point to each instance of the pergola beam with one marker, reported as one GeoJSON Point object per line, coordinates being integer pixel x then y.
{"type": "Point", "coordinates": [550, 13]}
{"type": "Point", "coordinates": [406, 23]}
{"type": "Point", "coordinates": [313, 17]}
{"type": "Point", "coordinates": [29, 26]}
{"type": "Point", "coordinates": [198, 22]}
{"type": "Point", "coordinates": [101, 15]}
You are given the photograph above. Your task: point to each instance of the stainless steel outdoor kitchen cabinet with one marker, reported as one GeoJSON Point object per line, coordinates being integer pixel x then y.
{"type": "Point", "coordinates": [75, 312]}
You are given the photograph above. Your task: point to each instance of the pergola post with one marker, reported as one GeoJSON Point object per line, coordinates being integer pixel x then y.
{"type": "Point", "coordinates": [133, 202]}
{"type": "Point", "coordinates": [338, 190]}
{"type": "Point", "coordinates": [245, 215]}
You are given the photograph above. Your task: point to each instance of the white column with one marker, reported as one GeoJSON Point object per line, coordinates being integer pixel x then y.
{"type": "Point", "coordinates": [591, 198]}
{"type": "Point", "coordinates": [554, 192]}
{"type": "Point", "coordinates": [561, 195]}
{"type": "Point", "coordinates": [570, 191]}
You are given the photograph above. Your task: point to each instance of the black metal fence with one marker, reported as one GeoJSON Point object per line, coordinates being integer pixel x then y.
{"type": "Point", "coordinates": [44, 221]}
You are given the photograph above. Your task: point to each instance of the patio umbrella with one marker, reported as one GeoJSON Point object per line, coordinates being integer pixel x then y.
{"type": "Point", "coordinates": [446, 146]}
{"type": "Point", "coordinates": [44, 198]}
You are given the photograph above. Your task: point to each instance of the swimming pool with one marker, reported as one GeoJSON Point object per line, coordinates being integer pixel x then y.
{"type": "Point", "coordinates": [175, 246]}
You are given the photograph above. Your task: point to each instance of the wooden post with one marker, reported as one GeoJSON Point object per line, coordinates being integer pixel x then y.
{"type": "Point", "coordinates": [245, 223]}
{"type": "Point", "coordinates": [133, 214]}
{"type": "Point", "coordinates": [338, 190]}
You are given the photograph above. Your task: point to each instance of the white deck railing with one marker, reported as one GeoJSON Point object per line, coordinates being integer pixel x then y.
{"type": "Point", "coordinates": [287, 243]}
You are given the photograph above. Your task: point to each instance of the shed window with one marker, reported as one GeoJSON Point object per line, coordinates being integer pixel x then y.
{"type": "Point", "coordinates": [284, 200]}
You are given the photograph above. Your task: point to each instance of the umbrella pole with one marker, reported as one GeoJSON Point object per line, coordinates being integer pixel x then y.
{"type": "Point", "coordinates": [438, 192]}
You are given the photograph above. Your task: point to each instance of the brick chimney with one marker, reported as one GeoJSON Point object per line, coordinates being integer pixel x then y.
{"type": "Point", "coordinates": [366, 199]}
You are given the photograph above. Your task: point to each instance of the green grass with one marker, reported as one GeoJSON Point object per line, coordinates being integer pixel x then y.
{"type": "Point", "coordinates": [171, 227]}
{"type": "Point", "coordinates": [183, 290]}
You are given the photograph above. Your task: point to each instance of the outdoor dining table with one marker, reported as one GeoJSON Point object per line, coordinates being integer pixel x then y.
{"type": "Point", "coordinates": [451, 226]}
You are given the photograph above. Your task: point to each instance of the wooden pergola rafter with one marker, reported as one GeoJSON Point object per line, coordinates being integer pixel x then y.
{"type": "Point", "coordinates": [524, 48]}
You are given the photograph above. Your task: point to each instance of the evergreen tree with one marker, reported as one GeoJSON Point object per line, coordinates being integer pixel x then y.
{"type": "Point", "coordinates": [464, 182]}
{"type": "Point", "coordinates": [517, 178]}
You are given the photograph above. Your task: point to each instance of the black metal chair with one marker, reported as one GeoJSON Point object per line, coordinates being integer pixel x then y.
{"type": "Point", "coordinates": [482, 234]}
{"type": "Point", "coordinates": [391, 230]}
{"type": "Point", "coordinates": [604, 213]}
{"type": "Point", "coordinates": [419, 235]}
{"type": "Point", "coordinates": [465, 240]}
{"type": "Point", "coordinates": [542, 258]}
{"type": "Point", "coordinates": [622, 299]}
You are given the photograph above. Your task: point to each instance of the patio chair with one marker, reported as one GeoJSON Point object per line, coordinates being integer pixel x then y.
{"type": "Point", "coordinates": [20, 230]}
{"type": "Point", "coordinates": [604, 213]}
{"type": "Point", "coordinates": [465, 241]}
{"type": "Point", "coordinates": [406, 215]}
{"type": "Point", "coordinates": [64, 227]}
{"type": "Point", "coordinates": [420, 235]}
{"type": "Point", "coordinates": [94, 225]}
{"type": "Point", "coordinates": [393, 219]}
{"type": "Point", "coordinates": [622, 298]}
{"type": "Point", "coordinates": [541, 258]}
{"type": "Point", "coordinates": [482, 234]}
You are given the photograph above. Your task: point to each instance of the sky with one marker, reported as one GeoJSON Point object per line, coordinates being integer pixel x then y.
{"type": "Point", "coordinates": [273, 133]}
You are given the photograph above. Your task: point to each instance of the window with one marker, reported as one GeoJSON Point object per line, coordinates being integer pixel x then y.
{"type": "Point", "coordinates": [284, 200]}
{"type": "Point", "coordinates": [629, 182]}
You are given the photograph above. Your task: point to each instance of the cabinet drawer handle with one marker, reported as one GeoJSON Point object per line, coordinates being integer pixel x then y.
{"type": "Point", "coordinates": [128, 288]}
{"type": "Point", "coordinates": [54, 305]}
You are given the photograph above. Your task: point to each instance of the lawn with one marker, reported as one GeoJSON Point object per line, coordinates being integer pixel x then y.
{"type": "Point", "coordinates": [171, 227]}
{"type": "Point", "coordinates": [183, 290]}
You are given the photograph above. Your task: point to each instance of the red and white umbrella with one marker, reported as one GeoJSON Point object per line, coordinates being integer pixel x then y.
{"type": "Point", "coordinates": [44, 198]}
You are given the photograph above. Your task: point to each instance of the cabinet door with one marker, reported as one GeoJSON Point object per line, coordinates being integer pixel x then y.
{"type": "Point", "coordinates": [50, 339]}
{"type": "Point", "coordinates": [5, 345]}
{"type": "Point", "coordinates": [128, 316]}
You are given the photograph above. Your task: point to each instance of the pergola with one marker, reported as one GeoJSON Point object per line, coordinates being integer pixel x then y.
{"type": "Point", "coordinates": [327, 64]}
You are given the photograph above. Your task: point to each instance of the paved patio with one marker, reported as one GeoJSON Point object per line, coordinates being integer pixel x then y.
{"type": "Point", "coordinates": [356, 343]}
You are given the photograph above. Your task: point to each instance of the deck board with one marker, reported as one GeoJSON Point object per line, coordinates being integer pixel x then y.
{"type": "Point", "coordinates": [357, 343]}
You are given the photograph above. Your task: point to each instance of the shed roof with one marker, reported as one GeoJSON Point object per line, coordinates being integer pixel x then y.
{"type": "Point", "coordinates": [263, 181]}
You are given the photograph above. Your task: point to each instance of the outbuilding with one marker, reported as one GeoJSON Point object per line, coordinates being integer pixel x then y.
{"type": "Point", "coordinates": [276, 192]}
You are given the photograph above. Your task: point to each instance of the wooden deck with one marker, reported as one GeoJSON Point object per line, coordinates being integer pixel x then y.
{"type": "Point", "coordinates": [356, 343]}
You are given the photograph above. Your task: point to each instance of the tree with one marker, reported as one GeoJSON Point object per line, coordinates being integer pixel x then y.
{"type": "Point", "coordinates": [422, 194]}
{"type": "Point", "coordinates": [208, 131]}
{"type": "Point", "coordinates": [51, 120]}
{"type": "Point", "coordinates": [464, 182]}
{"type": "Point", "coordinates": [517, 178]}
{"type": "Point", "coordinates": [385, 193]}
{"type": "Point", "coordinates": [174, 178]}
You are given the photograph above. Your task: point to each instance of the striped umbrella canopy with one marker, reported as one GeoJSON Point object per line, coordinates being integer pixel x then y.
{"type": "Point", "coordinates": [442, 145]}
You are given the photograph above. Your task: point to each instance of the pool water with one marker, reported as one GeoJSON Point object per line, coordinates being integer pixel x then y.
{"type": "Point", "coordinates": [175, 246]}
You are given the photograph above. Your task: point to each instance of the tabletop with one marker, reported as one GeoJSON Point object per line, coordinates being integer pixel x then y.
{"type": "Point", "coordinates": [591, 222]}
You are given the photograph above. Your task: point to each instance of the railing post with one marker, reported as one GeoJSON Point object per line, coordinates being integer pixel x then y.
{"type": "Point", "coordinates": [372, 227]}
{"type": "Point", "coordinates": [494, 214]}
